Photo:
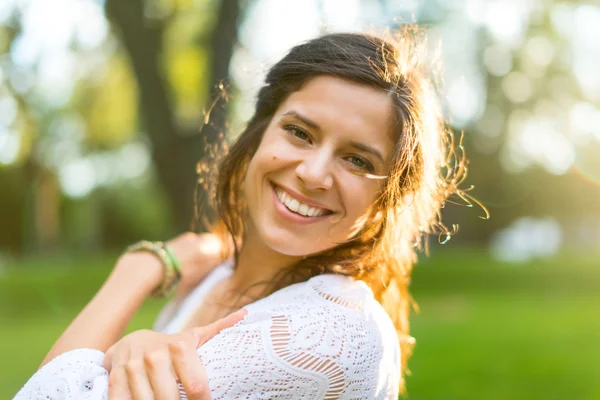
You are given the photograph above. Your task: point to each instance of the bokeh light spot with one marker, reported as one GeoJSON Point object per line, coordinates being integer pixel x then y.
{"type": "Point", "coordinates": [497, 59]}
{"type": "Point", "coordinates": [517, 87]}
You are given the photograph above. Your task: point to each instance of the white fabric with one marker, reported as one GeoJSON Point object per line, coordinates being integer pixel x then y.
{"type": "Point", "coordinates": [174, 317]}
{"type": "Point", "coordinates": [326, 338]}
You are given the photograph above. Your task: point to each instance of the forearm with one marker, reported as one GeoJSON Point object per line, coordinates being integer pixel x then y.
{"type": "Point", "coordinates": [104, 319]}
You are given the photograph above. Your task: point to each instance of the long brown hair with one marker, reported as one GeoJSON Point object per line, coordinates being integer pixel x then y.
{"type": "Point", "coordinates": [425, 167]}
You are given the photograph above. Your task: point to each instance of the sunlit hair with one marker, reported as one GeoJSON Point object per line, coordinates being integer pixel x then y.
{"type": "Point", "coordinates": [427, 166]}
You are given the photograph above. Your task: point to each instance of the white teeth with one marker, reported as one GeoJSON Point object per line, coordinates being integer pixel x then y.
{"type": "Point", "coordinates": [293, 205]}
{"type": "Point", "coordinates": [297, 207]}
{"type": "Point", "coordinates": [303, 209]}
{"type": "Point", "coordinates": [282, 196]}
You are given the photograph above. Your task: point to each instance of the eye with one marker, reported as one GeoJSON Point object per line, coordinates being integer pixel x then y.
{"type": "Point", "coordinates": [297, 132]}
{"type": "Point", "coordinates": [360, 163]}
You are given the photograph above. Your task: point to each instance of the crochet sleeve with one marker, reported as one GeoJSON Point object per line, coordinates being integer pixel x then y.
{"type": "Point", "coordinates": [76, 374]}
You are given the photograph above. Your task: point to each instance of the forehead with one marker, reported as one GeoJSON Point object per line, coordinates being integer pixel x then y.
{"type": "Point", "coordinates": [342, 107]}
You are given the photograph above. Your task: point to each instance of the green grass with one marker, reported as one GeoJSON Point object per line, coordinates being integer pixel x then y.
{"type": "Point", "coordinates": [506, 347]}
{"type": "Point", "coordinates": [484, 330]}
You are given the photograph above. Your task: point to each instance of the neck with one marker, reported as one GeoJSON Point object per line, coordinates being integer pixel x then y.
{"type": "Point", "coordinates": [258, 263]}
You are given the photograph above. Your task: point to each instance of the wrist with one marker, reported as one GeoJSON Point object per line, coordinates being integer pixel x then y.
{"type": "Point", "coordinates": [139, 269]}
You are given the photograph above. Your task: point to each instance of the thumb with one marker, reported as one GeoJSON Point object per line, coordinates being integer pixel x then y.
{"type": "Point", "coordinates": [114, 355]}
{"type": "Point", "coordinates": [205, 333]}
{"type": "Point", "coordinates": [107, 362]}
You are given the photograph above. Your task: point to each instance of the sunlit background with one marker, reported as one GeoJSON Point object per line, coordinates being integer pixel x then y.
{"type": "Point", "coordinates": [101, 104]}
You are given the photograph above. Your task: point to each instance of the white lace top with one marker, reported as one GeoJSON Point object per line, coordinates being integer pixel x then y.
{"type": "Point", "coordinates": [326, 338]}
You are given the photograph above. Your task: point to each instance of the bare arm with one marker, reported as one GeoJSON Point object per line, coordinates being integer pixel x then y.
{"type": "Point", "coordinates": [104, 319]}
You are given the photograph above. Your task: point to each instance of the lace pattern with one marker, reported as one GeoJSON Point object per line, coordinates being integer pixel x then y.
{"type": "Point", "coordinates": [326, 338]}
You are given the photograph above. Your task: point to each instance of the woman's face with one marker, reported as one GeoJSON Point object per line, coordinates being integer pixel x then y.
{"type": "Point", "coordinates": [307, 184]}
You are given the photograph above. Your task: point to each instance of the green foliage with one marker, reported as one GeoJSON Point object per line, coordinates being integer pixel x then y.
{"type": "Point", "coordinates": [110, 105]}
{"type": "Point", "coordinates": [186, 62]}
{"type": "Point", "coordinates": [187, 71]}
{"type": "Point", "coordinates": [484, 331]}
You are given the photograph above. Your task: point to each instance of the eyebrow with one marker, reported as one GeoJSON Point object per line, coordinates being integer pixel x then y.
{"type": "Point", "coordinates": [367, 149]}
{"type": "Point", "coordinates": [302, 118]}
{"type": "Point", "coordinates": [314, 125]}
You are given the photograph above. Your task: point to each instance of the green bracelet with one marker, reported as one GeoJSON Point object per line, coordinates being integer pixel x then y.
{"type": "Point", "coordinates": [171, 273]}
{"type": "Point", "coordinates": [174, 260]}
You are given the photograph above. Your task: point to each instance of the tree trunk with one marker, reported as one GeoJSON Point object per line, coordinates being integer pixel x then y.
{"type": "Point", "coordinates": [174, 151]}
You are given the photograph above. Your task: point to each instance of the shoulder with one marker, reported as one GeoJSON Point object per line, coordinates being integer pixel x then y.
{"type": "Point", "coordinates": [329, 294]}
{"type": "Point", "coordinates": [350, 311]}
{"type": "Point", "coordinates": [336, 320]}
{"type": "Point", "coordinates": [323, 338]}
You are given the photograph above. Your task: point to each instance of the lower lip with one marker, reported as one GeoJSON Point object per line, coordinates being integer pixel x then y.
{"type": "Point", "coordinates": [292, 216]}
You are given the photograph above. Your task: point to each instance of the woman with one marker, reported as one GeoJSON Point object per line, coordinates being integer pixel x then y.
{"type": "Point", "coordinates": [338, 176]}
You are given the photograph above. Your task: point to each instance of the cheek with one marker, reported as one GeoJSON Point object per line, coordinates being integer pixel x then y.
{"type": "Point", "coordinates": [358, 196]}
{"type": "Point", "coordinates": [356, 207]}
{"type": "Point", "coordinates": [270, 157]}
{"type": "Point", "coordinates": [266, 160]}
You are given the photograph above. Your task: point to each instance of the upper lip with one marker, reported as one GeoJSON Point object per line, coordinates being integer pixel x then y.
{"type": "Point", "coordinates": [301, 198]}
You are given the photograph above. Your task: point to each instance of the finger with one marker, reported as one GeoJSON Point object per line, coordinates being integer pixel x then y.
{"type": "Point", "coordinates": [205, 333]}
{"type": "Point", "coordinates": [162, 378]}
{"type": "Point", "coordinates": [190, 370]}
{"type": "Point", "coordinates": [138, 382]}
{"type": "Point", "coordinates": [118, 388]}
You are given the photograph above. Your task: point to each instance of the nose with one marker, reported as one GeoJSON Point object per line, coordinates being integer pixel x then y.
{"type": "Point", "coordinates": [315, 171]}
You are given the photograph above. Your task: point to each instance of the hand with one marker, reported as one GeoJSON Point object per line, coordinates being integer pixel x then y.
{"type": "Point", "coordinates": [199, 254]}
{"type": "Point", "coordinates": [147, 364]}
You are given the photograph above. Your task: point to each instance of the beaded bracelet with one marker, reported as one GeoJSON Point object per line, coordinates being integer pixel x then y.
{"type": "Point", "coordinates": [169, 261]}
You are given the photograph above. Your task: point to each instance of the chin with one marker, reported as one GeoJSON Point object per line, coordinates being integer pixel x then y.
{"type": "Point", "coordinates": [293, 246]}
{"type": "Point", "coordinates": [289, 247]}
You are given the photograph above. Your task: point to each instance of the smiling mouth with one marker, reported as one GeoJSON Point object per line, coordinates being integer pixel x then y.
{"type": "Point", "coordinates": [297, 207]}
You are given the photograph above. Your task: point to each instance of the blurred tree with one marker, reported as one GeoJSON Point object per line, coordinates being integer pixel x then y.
{"type": "Point", "coordinates": [528, 146]}
{"type": "Point", "coordinates": [176, 147]}
{"type": "Point", "coordinates": [100, 132]}
{"type": "Point", "coordinates": [71, 111]}
{"type": "Point", "coordinates": [30, 205]}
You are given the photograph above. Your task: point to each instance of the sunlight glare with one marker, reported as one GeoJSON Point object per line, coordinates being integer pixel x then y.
{"type": "Point", "coordinates": [10, 144]}
{"type": "Point", "coordinates": [77, 178]}
{"type": "Point", "coordinates": [464, 100]}
{"type": "Point", "coordinates": [475, 10]}
{"type": "Point", "coordinates": [133, 160]}
{"type": "Point", "coordinates": [49, 31]}
{"type": "Point", "coordinates": [517, 87]}
{"type": "Point", "coordinates": [507, 20]}
{"type": "Point", "coordinates": [540, 50]}
{"type": "Point", "coordinates": [537, 139]}
{"type": "Point", "coordinates": [56, 78]}
{"type": "Point", "coordinates": [272, 27]}
{"type": "Point", "coordinates": [584, 120]}
{"type": "Point", "coordinates": [561, 18]}
{"type": "Point", "coordinates": [526, 239]}
{"type": "Point", "coordinates": [587, 72]}
{"type": "Point", "coordinates": [6, 9]}
{"type": "Point", "coordinates": [341, 15]}
{"type": "Point", "coordinates": [8, 110]}
{"type": "Point", "coordinates": [497, 59]}
{"type": "Point", "coordinates": [587, 26]}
